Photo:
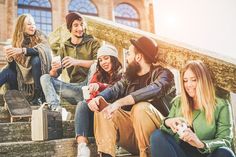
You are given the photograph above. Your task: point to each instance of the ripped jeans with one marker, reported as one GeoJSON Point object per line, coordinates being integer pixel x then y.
{"type": "Point", "coordinates": [55, 89]}
{"type": "Point", "coordinates": [129, 129]}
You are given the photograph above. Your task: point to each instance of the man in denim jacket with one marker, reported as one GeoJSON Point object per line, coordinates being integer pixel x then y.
{"type": "Point", "coordinates": [135, 100]}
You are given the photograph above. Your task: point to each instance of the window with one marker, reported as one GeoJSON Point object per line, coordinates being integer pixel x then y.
{"type": "Point", "coordinates": [40, 10]}
{"type": "Point", "coordinates": [127, 15]}
{"type": "Point", "coordinates": [83, 6]}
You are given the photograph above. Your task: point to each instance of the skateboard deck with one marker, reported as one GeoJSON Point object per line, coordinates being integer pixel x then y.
{"type": "Point", "coordinates": [17, 105]}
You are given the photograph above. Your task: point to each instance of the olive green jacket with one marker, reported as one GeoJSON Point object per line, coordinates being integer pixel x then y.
{"type": "Point", "coordinates": [217, 134]}
{"type": "Point", "coordinates": [86, 50]}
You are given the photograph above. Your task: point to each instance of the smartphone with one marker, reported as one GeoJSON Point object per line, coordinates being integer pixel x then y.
{"type": "Point", "coordinates": [102, 104]}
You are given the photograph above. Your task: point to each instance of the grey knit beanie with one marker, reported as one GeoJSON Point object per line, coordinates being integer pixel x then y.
{"type": "Point", "coordinates": [108, 50]}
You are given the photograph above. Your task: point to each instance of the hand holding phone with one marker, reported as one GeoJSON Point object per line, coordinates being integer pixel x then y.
{"type": "Point", "coordinates": [102, 104]}
{"type": "Point", "coordinates": [181, 128]}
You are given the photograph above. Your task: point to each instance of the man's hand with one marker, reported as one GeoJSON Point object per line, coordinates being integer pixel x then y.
{"type": "Point", "coordinates": [110, 109]}
{"type": "Point", "coordinates": [93, 104]}
{"type": "Point", "coordinates": [69, 62]}
{"type": "Point", "coordinates": [56, 65]}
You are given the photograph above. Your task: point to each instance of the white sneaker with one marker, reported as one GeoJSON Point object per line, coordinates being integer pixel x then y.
{"type": "Point", "coordinates": [83, 150]}
{"type": "Point", "coordinates": [65, 114]}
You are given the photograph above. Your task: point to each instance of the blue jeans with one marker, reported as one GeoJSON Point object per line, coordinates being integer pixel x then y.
{"type": "Point", "coordinates": [72, 92]}
{"type": "Point", "coordinates": [9, 76]}
{"type": "Point", "coordinates": [36, 71]}
{"type": "Point", "coordinates": [83, 120]}
{"type": "Point", "coordinates": [163, 145]}
{"type": "Point", "coordinates": [55, 89]}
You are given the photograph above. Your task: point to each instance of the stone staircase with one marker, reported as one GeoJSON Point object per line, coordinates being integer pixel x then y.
{"type": "Point", "coordinates": [15, 139]}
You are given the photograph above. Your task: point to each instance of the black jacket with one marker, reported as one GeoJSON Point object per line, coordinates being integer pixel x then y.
{"type": "Point", "coordinates": [159, 90]}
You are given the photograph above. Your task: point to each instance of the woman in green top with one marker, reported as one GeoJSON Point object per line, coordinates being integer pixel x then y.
{"type": "Point", "coordinates": [208, 120]}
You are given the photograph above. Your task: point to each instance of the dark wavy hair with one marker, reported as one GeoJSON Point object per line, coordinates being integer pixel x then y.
{"type": "Point", "coordinates": [104, 77]}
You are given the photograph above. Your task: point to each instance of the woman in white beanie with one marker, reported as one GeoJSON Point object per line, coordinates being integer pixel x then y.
{"type": "Point", "coordinates": [108, 72]}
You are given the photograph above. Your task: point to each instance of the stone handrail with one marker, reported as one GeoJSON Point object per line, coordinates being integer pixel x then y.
{"type": "Point", "coordinates": [171, 54]}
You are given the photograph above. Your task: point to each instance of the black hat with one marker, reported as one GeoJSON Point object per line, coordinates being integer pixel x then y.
{"type": "Point", "coordinates": [147, 47]}
{"type": "Point", "coordinates": [71, 17]}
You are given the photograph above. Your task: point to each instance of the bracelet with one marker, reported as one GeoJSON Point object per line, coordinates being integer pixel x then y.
{"type": "Point", "coordinates": [24, 51]}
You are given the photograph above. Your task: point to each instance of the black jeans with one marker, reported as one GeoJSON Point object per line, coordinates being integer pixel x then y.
{"type": "Point", "coordinates": [9, 74]}
{"type": "Point", "coordinates": [83, 120]}
{"type": "Point", "coordinates": [165, 145]}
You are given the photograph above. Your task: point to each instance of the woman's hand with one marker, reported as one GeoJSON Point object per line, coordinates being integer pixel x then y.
{"type": "Point", "coordinates": [173, 123]}
{"type": "Point", "coordinates": [93, 87]}
{"type": "Point", "coordinates": [190, 137]}
{"type": "Point", "coordinates": [12, 51]}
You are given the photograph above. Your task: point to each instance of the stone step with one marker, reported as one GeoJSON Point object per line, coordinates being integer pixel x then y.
{"type": "Point", "coordinates": [21, 131]}
{"type": "Point", "coordinates": [5, 116]}
{"type": "Point", "coordinates": [52, 148]}
{"type": "Point", "coordinates": [15, 140]}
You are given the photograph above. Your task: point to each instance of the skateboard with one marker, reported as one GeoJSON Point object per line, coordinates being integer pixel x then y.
{"type": "Point", "coordinates": [17, 105]}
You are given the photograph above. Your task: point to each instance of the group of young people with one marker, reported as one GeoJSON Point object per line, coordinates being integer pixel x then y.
{"type": "Point", "coordinates": [143, 116]}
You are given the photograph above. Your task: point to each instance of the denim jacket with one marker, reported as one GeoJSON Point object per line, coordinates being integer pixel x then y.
{"type": "Point", "coordinates": [159, 90]}
{"type": "Point", "coordinates": [217, 134]}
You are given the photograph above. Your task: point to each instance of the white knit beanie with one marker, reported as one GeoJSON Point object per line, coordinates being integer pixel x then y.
{"type": "Point", "coordinates": [107, 50]}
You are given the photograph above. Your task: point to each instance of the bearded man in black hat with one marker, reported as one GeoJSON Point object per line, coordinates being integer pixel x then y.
{"type": "Point", "coordinates": [138, 102]}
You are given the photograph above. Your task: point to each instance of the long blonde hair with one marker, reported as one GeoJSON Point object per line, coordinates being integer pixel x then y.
{"type": "Point", "coordinates": [205, 92]}
{"type": "Point", "coordinates": [18, 35]}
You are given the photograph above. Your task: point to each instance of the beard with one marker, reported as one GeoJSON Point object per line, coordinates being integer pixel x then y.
{"type": "Point", "coordinates": [132, 70]}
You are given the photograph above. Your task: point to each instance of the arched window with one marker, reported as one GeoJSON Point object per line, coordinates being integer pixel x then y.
{"type": "Point", "coordinates": [127, 15]}
{"type": "Point", "coordinates": [40, 10]}
{"type": "Point", "coordinates": [83, 6]}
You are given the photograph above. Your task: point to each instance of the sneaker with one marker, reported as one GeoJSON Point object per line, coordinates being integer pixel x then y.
{"type": "Point", "coordinates": [83, 150]}
{"type": "Point", "coordinates": [65, 114]}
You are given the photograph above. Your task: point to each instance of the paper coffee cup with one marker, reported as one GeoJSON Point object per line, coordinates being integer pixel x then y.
{"type": "Point", "coordinates": [7, 47]}
{"type": "Point", "coordinates": [56, 59]}
{"type": "Point", "coordinates": [86, 93]}
{"type": "Point", "coordinates": [10, 59]}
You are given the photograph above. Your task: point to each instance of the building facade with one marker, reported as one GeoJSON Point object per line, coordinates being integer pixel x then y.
{"type": "Point", "coordinates": [49, 14]}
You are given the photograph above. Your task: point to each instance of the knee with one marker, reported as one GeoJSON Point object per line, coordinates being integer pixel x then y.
{"type": "Point", "coordinates": [35, 61]}
{"type": "Point", "coordinates": [139, 110]}
{"type": "Point", "coordinates": [157, 137]}
{"type": "Point", "coordinates": [81, 107]}
{"type": "Point", "coordinates": [45, 78]}
{"type": "Point", "coordinates": [223, 152]}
